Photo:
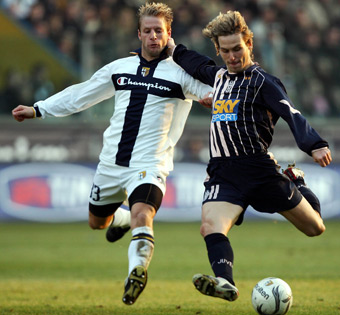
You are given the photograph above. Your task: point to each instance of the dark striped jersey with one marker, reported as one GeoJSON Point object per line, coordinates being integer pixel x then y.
{"type": "Point", "coordinates": [246, 107]}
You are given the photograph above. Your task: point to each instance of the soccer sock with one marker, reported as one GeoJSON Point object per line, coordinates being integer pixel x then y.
{"type": "Point", "coordinates": [141, 247]}
{"type": "Point", "coordinates": [220, 255]}
{"type": "Point", "coordinates": [121, 218]}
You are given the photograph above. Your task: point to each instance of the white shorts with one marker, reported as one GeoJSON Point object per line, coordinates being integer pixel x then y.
{"type": "Point", "coordinates": [114, 183]}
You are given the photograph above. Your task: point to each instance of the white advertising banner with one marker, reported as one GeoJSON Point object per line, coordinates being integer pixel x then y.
{"type": "Point", "coordinates": [58, 192]}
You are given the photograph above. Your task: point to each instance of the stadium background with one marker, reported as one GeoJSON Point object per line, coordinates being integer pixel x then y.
{"type": "Point", "coordinates": [47, 165]}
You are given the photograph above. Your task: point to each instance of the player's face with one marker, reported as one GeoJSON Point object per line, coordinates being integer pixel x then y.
{"type": "Point", "coordinates": [235, 53]}
{"type": "Point", "coordinates": [154, 36]}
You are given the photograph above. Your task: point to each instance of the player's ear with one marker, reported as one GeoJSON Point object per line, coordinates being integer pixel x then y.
{"type": "Point", "coordinates": [217, 49]}
{"type": "Point", "coordinates": [217, 46]}
{"type": "Point", "coordinates": [249, 45]}
{"type": "Point", "coordinates": [139, 35]}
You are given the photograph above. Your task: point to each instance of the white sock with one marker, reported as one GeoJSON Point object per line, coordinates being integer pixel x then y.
{"type": "Point", "coordinates": [141, 247]}
{"type": "Point", "coordinates": [121, 218]}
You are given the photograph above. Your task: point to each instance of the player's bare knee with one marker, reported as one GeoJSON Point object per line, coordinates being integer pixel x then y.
{"type": "Point", "coordinates": [142, 218]}
{"type": "Point", "coordinates": [92, 225]}
{"type": "Point", "coordinates": [321, 229]}
{"type": "Point", "coordinates": [99, 223]}
{"type": "Point", "coordinates": [205, 229]}
{"type": "Point", "coordinates": [202, 230]}
{"type": "Point", "coordinates": [96, 226]}
{"type": "Point", "coordinates": [316, 230]}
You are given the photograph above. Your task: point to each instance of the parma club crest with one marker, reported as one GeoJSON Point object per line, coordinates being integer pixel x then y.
{"type": "Point", "coordinates": [141, 175]}
{"type": "Point", "coordinates": [145, 71]}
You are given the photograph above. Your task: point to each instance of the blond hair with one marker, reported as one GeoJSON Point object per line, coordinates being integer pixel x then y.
{"type": "Point", "coordinates": [156, 9]}
{"type": "Point", "coordinates": [226, 24]}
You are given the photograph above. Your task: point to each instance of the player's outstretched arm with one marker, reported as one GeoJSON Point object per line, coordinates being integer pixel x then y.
{"type": "Point", "coordinates": [322, 156]}
{"type": "Point", "coordinates": [22, 112]}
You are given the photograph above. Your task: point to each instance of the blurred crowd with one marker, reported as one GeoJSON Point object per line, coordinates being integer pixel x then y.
{"type": "Point", "coordinates": [298, 41]}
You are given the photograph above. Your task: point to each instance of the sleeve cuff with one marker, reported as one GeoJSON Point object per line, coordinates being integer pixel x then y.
{"type": "Point", "coordinates": [37, 111]}
{"type": "Point", "coordinates": [319, 149]}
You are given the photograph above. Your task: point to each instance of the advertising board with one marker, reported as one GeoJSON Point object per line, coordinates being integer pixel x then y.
{"type": "Point", "coordinates": [58, 192]}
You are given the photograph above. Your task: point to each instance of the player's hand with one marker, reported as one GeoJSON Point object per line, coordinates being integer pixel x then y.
{"type": "Point", "coordinates": [171, 46]}
{"type": "Point", "coordinates": [322, 156]}
{"type": "Point", "coordinates": [207, 100]}
{"type": "Point", "coordinates": [21, 112]}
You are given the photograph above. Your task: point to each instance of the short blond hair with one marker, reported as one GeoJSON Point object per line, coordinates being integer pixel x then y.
{"type": "Point", "coordinates": [228, 23]}
{"type": "Point", "coordinates": [156, 9]}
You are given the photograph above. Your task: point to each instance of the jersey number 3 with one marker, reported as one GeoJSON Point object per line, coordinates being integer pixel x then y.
{"type": "Point", "coordinates": [95, 193]}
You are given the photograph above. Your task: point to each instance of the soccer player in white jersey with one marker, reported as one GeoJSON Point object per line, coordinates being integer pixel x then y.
{"type": "Point", "coordinates": [247, 103]}
{"type": "Point", "coordinates": [151, 94]}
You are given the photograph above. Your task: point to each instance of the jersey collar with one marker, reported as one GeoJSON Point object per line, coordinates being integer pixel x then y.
{"type": "Point", "coordinates": [162, 56]}
{"type": "Point", "coordinates": [247, 71]}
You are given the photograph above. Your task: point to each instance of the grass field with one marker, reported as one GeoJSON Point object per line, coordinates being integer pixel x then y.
{"type": "Point", "coordinates": [70, 269]}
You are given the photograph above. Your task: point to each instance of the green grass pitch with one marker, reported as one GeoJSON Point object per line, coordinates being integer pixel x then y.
{"type": "Point", "coordinates": [70, 269]}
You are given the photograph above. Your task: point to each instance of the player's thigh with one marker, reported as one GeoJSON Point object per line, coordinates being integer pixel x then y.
{"type": "Point", "coordinates": [219, 217]}
{"type": "Point", "coordinates": [305, 218]}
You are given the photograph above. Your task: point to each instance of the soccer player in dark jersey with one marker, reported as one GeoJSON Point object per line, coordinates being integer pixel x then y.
{"type": "Point", "coordinates": [246, 104]}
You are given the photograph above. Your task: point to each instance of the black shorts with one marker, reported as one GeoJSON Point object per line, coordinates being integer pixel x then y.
{"type": "Point", "coordinates": [146, 193]}
{"type": "Point", "coordinates": [251, 181]}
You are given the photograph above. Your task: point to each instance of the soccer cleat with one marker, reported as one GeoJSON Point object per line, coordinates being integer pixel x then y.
{"type": "Point", "coordinates": [135, 284]}
{"type": "Point", "coordinates": [115, 233]}
{"type": "Point", "coordinates": [216, 287]}
{"type": "Point", "coordinates": [293, 172]}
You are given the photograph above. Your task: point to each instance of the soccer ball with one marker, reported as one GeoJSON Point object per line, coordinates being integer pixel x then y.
{"type": "Point", "coordinates": [272, 296]}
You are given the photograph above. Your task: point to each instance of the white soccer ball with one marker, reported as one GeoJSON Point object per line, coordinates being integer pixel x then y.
{"type": "Point", "coordinates": [272, 296]}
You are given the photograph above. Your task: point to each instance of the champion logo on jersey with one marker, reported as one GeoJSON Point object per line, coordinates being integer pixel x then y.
{"type": "Point", "coordinates": [145, 71]}
{"type": "Point", "coordinates": [225, 110]}
{"type": "Point", "coordinates": [125, 81]}
{"type": "Point", "coordinates": [122, 80]}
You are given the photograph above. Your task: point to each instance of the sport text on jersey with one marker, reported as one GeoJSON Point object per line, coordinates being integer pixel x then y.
{"type": "Point", "coordinates": [225, 110]}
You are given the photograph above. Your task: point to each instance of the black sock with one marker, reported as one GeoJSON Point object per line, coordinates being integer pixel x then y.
{"type": "Point", "coordinates": [310, 197]}
{"type": "Point", "coordinates": [220, 255]}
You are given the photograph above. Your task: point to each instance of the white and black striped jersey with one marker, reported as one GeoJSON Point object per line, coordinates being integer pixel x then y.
{"type": "Point", "coordinates": [151, 107]}
{"type": "Point", "coordinates": [246, 107]}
